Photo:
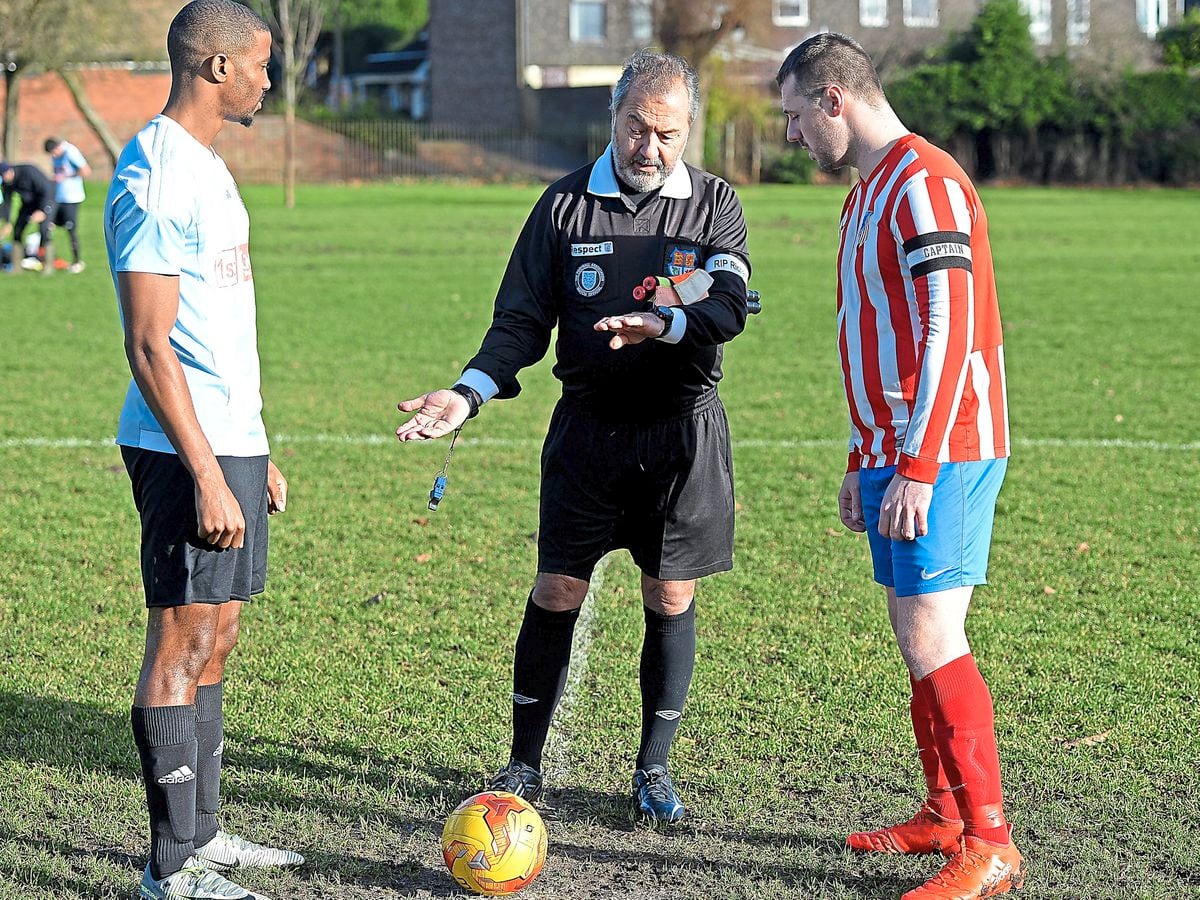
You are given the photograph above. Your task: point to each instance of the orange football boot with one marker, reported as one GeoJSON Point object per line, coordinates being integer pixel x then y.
{"type": "Point", "coordinates": [979, 869]}
{"type": "Point", "coordinates": [926, 832]}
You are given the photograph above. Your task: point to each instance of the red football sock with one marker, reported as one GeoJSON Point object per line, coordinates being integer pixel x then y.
{"type": "Point", "coordinates": [938, 796]}
{"type": "Point", "coordinates": [966, 741]}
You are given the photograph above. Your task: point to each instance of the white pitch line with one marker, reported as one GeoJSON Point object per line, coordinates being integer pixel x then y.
{"type": "Point", "coordinates": [355, 440]}
{"type": "Point", "coordinates": [558, 756]}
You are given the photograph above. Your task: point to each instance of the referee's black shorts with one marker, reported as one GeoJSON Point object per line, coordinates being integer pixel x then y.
{"type": "Point", "coordinates": [662, 490]}
{"type": "Point", "coordinates": [178, 566]}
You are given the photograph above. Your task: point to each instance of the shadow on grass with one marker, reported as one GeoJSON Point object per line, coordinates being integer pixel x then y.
{"type": "Point", "coordinates": [54, 881]}
{"type": "Point", "coordinates": [71, 736]}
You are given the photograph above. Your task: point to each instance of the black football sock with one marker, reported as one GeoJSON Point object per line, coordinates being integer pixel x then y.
{"type": "Point", "coordinates": [540, 664]}
{"type": "Point", "coordinates": [668, 656]}
{"type": "Point", "coordinates": [210, 744]}
{"type": "Point", "coordinates": [166, 741]}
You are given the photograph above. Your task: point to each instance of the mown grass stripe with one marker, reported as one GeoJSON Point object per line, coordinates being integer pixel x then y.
{"type": "Point", "coordinates": [558, 750]}
{"type": "Point", "coordinates": [748, 443]}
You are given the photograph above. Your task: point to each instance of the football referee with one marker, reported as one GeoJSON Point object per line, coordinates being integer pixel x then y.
{"type": "Point", "coordinates": [638, 454]}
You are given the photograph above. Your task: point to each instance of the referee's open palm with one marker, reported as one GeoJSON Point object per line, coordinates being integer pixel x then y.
{"type": "Point", "coordinates": [437, 413]}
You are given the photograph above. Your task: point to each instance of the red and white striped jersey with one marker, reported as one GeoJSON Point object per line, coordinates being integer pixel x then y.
{"type": "Point", "coordinates": [918, 322]}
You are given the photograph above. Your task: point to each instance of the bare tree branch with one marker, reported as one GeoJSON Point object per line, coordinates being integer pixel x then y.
{"type": "Point", "coordinates": [295, 27]}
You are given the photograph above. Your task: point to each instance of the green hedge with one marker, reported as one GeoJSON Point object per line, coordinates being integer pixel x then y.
{"type": "Point", "coordinates": [1009, 115]}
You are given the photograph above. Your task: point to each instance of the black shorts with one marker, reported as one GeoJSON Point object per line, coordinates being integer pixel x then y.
{"type": "Point", "coordinates": [178, 567]}
{"type": "Point", "coordinates": [66, 215]}
{"type": "Point", "coordinates": [662, 490]}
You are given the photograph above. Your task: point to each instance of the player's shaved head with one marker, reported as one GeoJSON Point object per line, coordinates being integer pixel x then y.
{"type": "Point", "coordinates": [832, 58]}
{"type": "Point", "coordinates": [656, 74]}
{"type": "Point", "coordinates": [205, 28]}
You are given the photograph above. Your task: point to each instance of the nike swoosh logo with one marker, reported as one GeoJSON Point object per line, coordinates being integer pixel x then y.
{"type": "Point", "coordinates": [925, 576]}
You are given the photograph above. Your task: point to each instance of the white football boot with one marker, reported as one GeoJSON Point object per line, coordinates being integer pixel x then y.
{"type": "Point", "coordinates": [193, 882]}
{"type": "Point", "coordinates": [228, 851]}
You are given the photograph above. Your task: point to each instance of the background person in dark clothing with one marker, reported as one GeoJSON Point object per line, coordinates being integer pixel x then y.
{"type": "Point", "coordinates": [37, 206]}
{"type": "Point", "coordinates": [638, 454]}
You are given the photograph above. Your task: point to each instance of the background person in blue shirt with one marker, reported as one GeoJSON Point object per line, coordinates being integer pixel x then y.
{"type": "Point", "coordinates": [70, 168]}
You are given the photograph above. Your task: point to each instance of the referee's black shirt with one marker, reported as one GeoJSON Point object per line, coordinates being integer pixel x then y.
{"type": "Point", "coordinates": [582, 250]}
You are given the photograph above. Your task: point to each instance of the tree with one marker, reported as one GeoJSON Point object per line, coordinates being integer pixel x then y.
{"type": "Point", "coordinates": [1181, 43]}
{"type": "Point", "coordinates": [27, 39]}
{"type": "Point", "coordinates": [693, 29]}
{"type": "Point", "coordinates": [45, 35]}
{"type": "Point", "coordinates": [375, 24]}
{"type": "Point", "coordinates": [295, 27]}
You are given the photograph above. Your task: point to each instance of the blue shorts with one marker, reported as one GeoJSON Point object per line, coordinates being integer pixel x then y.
{"type": "Point", "coordinates": [954, 553]}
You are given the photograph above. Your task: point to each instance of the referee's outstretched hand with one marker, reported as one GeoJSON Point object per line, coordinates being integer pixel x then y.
{"type": "Point", "coordinates": [437, 413]}
{"type": "Point", "coordinates": [632, 328]}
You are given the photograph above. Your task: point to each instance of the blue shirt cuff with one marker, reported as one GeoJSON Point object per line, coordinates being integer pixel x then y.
{"type": "Point", "coordinates": [480, 382]}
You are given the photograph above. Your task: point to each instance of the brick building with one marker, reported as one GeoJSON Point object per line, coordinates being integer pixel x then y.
{"type": "Point", "coordinates": [533, 63]}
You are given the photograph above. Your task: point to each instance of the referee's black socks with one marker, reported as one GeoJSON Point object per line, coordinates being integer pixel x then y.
{"type": "Point", "coordinates": [540, 664]}
{"type": "Point", "coordinates": [668, 657]}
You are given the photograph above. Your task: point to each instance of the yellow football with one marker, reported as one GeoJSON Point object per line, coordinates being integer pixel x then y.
{"type": "Point", "coordinates": [494, 843]}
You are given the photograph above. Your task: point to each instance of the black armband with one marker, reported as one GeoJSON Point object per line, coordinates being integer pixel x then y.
{"type": "Point", "coordinates": [474, 400]}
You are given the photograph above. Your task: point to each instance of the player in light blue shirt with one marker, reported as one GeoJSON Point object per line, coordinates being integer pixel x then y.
{"type": "Point", "coordinates": [192, 436]}
{"type": "Point", "coordinates": [70, 168]}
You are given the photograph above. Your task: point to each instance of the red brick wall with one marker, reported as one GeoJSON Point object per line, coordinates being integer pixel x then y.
{"type": "Point", "coordinates": [127, 99]}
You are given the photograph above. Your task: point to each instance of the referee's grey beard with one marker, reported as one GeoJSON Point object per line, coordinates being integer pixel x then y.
{"type": "Point", "coordinates": [636, 179]}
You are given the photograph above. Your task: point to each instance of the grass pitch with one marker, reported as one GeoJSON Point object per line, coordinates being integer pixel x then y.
{"type": "Point", "coordinates": [370, 690]}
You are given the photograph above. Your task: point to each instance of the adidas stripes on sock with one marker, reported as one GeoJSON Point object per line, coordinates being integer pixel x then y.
{"type": "Point", "coordinates": [210, 744]}
{"type": "Point", "coordinates": [540, 663]}
{"type": "Point", "coordinates": [166, 742]}
{"type": "Point", "coordinates": [668, 657]}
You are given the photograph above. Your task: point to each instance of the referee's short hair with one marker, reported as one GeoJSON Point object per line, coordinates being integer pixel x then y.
{"type": "Point", "coordinates": [205, 28]}
{"type": "Point", "coordinates": [832, 58]}
{"type": "Point", "coordinates": [656, 73]}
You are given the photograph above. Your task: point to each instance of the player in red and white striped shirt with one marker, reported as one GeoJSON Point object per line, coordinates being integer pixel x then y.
{"type": "Point", "coordinates": [923, 368]}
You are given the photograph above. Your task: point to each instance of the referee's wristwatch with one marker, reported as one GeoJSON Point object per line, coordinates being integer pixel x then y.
{"type": "Point", "coordinates": [667, 315]}
{"type": "Point", "coordinates": [472, 396]}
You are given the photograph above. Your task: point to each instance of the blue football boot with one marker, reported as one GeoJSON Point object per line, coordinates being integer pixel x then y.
{"type": "Point", "coordinates": [518, 778]}
{"type": "Point", "coordinates": [655, 796]}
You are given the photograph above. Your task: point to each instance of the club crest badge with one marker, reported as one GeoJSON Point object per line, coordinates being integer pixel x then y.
{"type": "Point", "coordinates": [589, 280]}
{"type": "Point", "coordinates": [681, 259]}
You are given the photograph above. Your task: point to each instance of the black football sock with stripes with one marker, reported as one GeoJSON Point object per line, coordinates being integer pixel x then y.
{"type": "Point", "coordinates": [540, 664]}
{"type": "Point", "coordinates": [166, 741]}
{"type": "Point", "coordinates": [668, 657]}
{"type": "Point", "coordinates": [210, 744]}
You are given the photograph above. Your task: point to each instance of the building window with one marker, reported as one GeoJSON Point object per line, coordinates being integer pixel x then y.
{"type": "Point", "coordinates": [588, 21]}
{"type": "Point", "coordinates": [1039, 19]}
{"type": "Point", "coordinates": [1078, 22]}
{"type": "Point", "coordinates": [790, 12]}
{"type": "Point", "coordinates": [872, 13]}
{"type": "Point", "coordinates": [1152, 16]}
{"type": "Point", "coordinates": [641, 20]}
{"type": "Point", "coordinates": [921, 13]}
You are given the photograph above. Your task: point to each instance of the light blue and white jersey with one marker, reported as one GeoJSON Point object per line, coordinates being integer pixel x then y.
{"type": "Point", "coordinates": [174, 209]}
{"type": "Point", "coordinates": [67, 163]}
